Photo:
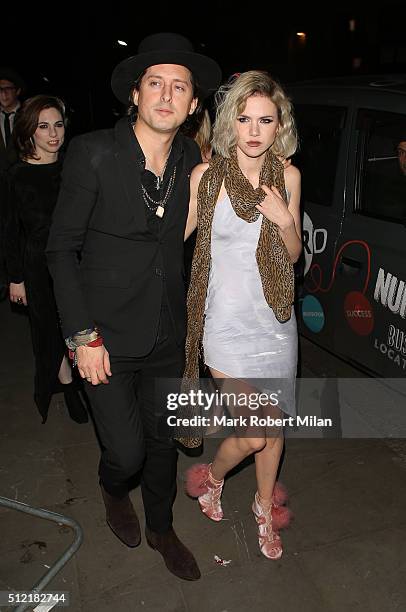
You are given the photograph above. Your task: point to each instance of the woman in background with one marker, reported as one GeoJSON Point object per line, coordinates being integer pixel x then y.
{"type": "Point", "coordinates": [32, 186]}
{"type": "Point", "coordinates": [204, 135]}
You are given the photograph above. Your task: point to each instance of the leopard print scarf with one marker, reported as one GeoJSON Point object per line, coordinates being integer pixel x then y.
{"type": "Point", "coordinates": [274, 265]}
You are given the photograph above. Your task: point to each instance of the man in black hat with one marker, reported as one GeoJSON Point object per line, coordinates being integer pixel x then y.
{"type": "Point", "coordinates": [123, 205]}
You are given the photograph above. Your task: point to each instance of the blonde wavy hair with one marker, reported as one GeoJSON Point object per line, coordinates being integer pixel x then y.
{"type": "Point", "coordinates": [231, 99]}
{"type": "Point", "coordinates": [204, 134]}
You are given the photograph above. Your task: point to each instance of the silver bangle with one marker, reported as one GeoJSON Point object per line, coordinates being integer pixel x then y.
{"type": "Point", "coordinates": [81, 338]}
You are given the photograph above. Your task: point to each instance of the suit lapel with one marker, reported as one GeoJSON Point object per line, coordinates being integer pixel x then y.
{"type": "Point", "coordinates": [172, 211]}
{"type": "Point", "coordinates": [128, 165]}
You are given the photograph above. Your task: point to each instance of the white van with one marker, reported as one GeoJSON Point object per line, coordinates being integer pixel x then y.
{"type": "Point", "coordinates": [352, 285]}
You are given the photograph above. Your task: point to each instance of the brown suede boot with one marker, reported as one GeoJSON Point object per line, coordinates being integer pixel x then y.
{"type": "Point", "coordinates": [178, 559]}
{"type": "Point", "coordinates": [121, 518]}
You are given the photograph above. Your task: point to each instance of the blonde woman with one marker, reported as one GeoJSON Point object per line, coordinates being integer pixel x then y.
{"type": "Point", "coordinates": [245, 203]}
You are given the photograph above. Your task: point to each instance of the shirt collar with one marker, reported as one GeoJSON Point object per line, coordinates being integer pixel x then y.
{"type": "Point", "coordinates": [175, 154]}
{"type": "Point", "coordinates": [12, 112]}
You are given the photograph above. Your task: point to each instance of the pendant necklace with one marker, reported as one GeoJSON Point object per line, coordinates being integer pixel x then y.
{"type": "Point", "coordinates": [159, 178]}
{"type": "Point", "coordinates": [158, 206]}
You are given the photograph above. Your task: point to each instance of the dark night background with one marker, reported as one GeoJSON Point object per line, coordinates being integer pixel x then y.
{"type": "Point", "coordinates": [75, 47]}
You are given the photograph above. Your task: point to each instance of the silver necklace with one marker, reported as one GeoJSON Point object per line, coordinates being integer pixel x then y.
{"type": "Point", "coordinates": [159, 178]}
{"type": "Point", "coordinates": [158, 206]}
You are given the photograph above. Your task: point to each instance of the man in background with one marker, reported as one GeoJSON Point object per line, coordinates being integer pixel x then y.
{"type": "Point", "coordinates": [401, 151]}
{"type": "Point", "coordinates": [11, 87]}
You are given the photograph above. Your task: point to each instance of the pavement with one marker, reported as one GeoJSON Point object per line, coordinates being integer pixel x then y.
{"type": "Point", "coordinates": [344, 550]}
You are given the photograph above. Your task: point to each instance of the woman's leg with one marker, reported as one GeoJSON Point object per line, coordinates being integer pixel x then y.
{"type": "Point", "coordinates": [65, 372]}
{"type": "Point", "coordinates": [73, 400]}
{"type": "Point", "coordinates": [267, 460]}
{"type": "Point", "coordinates": [266, 466]}
{"type": "Point", "coordinates": [233, 449]}
{"type": "Point", "coordinates": [206, 481]}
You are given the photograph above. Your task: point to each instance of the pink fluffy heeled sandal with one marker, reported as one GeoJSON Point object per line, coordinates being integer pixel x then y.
{"type": "Point", "coordinates": [270, 543]}
{"type": "Point", "coordinates": [270, 520]}
{"type": "Point", "coordinates": [201, 484]}
{"type": "Point", "coordinates": [281, 515]}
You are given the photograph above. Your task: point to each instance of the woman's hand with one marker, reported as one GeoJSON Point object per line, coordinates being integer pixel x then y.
{"type": "Point", "coordinates": [286, 217]}
{"type": "Point", "coordinates": [274, 208]}
{"type": "Point", "coordinates": [17, 293]}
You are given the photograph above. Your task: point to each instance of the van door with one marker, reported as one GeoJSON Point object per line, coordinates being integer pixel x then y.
{"type": "Point", "coordinates": [371, 313]}
{"type": "Point", "coordinates": [323, 136]}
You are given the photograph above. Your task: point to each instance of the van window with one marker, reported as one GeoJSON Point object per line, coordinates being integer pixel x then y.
{"type": "Point", "coordinates": [320, 129]}
{"type": "Point", "coordinates": [382, 165]}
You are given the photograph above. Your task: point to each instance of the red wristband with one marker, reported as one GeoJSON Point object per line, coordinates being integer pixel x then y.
{"type": "Point", "coordinates": [94, 343]}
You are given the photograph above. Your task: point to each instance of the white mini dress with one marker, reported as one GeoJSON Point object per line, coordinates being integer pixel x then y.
{"type": "Point", "coordinates": [242, 337]}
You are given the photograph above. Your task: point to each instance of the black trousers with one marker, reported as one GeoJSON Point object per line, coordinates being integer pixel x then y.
{"type": "Point", "coordinates": [125, 412]}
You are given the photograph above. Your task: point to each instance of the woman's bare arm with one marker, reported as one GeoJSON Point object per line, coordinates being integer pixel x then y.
{"type": "Point", "coordinates": [195, 177]}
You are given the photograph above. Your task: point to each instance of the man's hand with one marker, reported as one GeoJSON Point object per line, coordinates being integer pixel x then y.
{"type": "Point", "coordinates": [17, 293]}
{"type": "Point", "coordinates": [94, 364]}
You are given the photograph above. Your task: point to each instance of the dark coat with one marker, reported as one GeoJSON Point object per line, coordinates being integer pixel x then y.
{"type": "Point", "coordinates": [8, 157]}
{"type": "Point", "coordinates": [32, 191]}
{"type": "Point", "coordinates": [119, 281]}
{"type": "Point", "coordinates": [8, 154]}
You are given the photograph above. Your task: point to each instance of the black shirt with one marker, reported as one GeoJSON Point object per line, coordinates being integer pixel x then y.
{"type": "Point", "coordinates": [149, 181]}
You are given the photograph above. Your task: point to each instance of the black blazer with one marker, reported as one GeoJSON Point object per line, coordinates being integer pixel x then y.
{"type": "Point", "coordinates": [117, 281]}
{"type": "Point", "coordinates": [8, 154]}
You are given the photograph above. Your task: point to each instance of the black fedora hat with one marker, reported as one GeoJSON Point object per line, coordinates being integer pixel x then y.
{"type": "Point", "coordinates": [165, 48]}
{"type": "Point", "coordinates": [9, 74]}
